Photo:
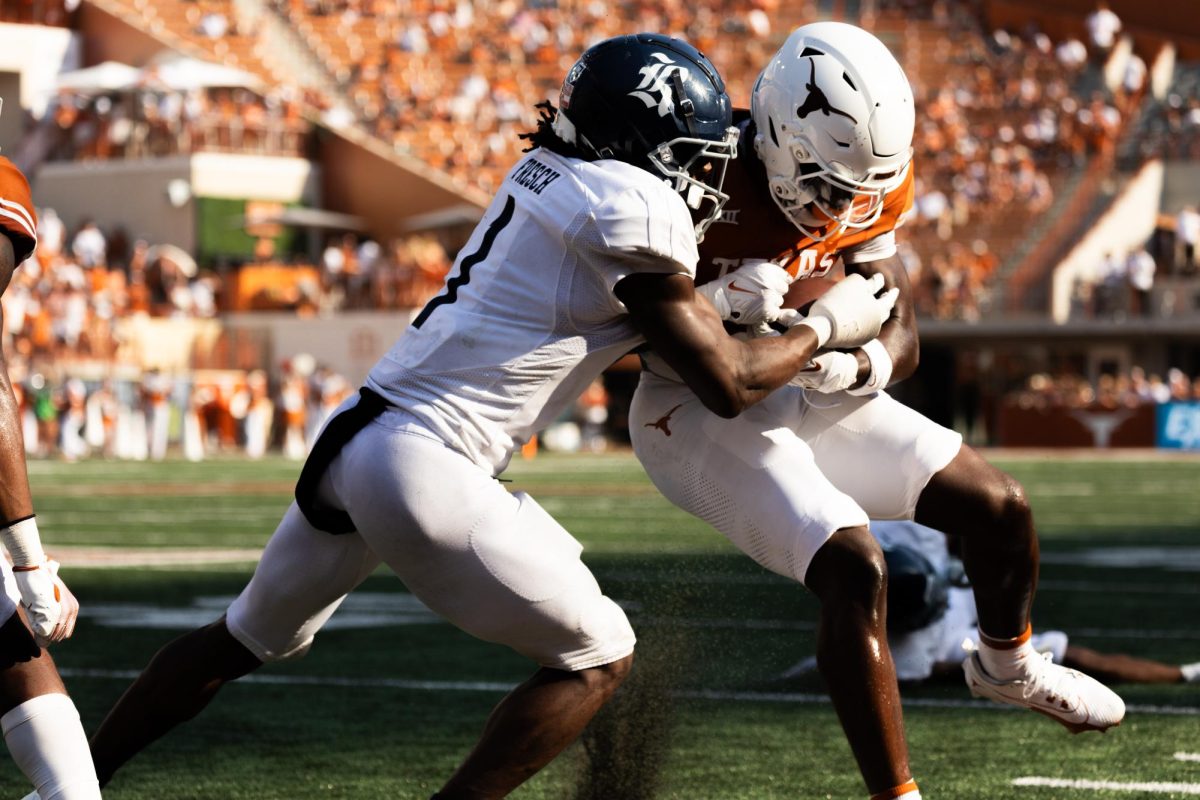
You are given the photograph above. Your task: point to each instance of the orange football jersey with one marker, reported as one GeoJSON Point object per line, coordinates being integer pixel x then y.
{"type": "Point", "coordinates": [18, 219]}
{"type": "Point", "coordinates": [752, 227]}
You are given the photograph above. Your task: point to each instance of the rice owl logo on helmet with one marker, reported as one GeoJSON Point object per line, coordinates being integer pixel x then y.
{"type": "Point", "coordinates": [654, 79]}
{"type": "Point", "coordinates": [657, 103]}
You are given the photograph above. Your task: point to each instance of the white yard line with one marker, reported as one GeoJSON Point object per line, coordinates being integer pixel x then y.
{"type": "Point", "coordinates": [1149, 787]}
{"type": "Point", "coordinates": [1187, 756]}
{"type": "Point", "coordinates": [795, 698]}
{"type": "Point", "coordinates": [121, 557]}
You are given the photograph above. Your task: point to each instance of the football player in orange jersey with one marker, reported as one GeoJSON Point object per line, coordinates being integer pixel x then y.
{"type": "Point", "coordinates": [824, 173]}
{"type": "Point", "coordinates": [40, 724]}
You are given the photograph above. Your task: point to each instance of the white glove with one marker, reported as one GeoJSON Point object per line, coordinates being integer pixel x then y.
{"type": "Point", "coordinates": [750, 295]}
{"type": "Point", "coordinates": [47, 601]}
{"type": "Point", "coordinates": [829, 372]}
{"type": "Point", "coordinates": [849, 314]}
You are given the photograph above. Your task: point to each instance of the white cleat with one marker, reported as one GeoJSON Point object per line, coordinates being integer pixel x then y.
{"type": "Point", "coordinates": [1074, 700]}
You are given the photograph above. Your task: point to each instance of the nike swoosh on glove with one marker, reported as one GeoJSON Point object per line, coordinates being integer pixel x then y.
{"type": "Point", "coordinates": [751, 295]}
{"type": "Point", "coordinates": [828, 373]}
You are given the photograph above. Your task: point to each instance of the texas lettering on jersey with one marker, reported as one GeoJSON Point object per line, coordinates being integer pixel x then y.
{"type": "Point", "coordinates": [752, 227]}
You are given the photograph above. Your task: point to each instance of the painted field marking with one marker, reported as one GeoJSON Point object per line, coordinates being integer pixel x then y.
{"type": "Point", "coordinates": [1151, 787]}
{"type": "Point", "coordinates": [1187, 756]}
{"type": "Point", "coordinates": [796, 698]}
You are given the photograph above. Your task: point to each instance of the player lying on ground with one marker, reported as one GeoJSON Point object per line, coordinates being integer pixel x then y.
{"type": "Point", "coordinates": [932, 624]}
{"type": "Point", "coordinates": [824, 174]}
{"type": "Point", "coordinates": [40, 724]}
{"type": "Point", "coordinates": [587, 250]}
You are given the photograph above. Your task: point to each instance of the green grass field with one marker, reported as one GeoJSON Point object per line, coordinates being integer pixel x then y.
{"type": "Point", "coordinates": [389, 699]}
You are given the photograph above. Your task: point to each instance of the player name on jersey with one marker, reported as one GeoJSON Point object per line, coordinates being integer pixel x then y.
{"type": "Point", "coordinates": [534, 176]}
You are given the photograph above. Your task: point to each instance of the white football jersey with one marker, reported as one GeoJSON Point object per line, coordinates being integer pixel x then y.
{"type": "Point", "coordinates": [916, 653]}
{"type": "Point", "coordinates": [949, 638]}
{"type": "Point", "coordinates": [528, 318]}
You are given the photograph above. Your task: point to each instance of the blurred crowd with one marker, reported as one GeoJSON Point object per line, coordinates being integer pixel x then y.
{"type": "Point", "coordinates": [1007, 118]}
{"type": "Point", "coordinates": [147, 415]}
{"type": "Point", "coordinates": [38, 12]}
{"type": "Point", "coordinates": [64, 302]}
{"type": "Point", "coordinates": [63, 341]}
{"type": "Point", "coordinates": [364, 275]}
{"type": "Point", "coordinates": [453, 83]}
{"type": "Point", "coordinates": [150, 123]}
{"type": "Point", "coordinates": [1124, 284]}
{"type": "Point", "coordinates": [1004, 119]}
{"type": "Point", "coordinates": [1127, 390]}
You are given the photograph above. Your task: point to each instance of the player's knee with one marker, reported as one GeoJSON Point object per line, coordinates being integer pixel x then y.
{"type": "Point", "coordinates": [849, 571]}
{"type": "Point", "coordinates": [606, 678]}
{"type": "Point", "coordinates": [1006, 504]}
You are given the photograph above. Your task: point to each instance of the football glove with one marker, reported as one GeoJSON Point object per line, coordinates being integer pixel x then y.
{"type": "Point", "coordinates": [751, 295]}
{"type": "Point", "coordinates": [849, 314]}
{"type": "Point", "coordinates": [47, 601]}
{"type": "Point", "coordinates": [829, 372]}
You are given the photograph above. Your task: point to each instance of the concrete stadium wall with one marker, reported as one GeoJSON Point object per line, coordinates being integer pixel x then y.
{"type": "Point", "coordinates": [1182, 186]}
{"type": "Point", "coordinates": [133, 194]}
{"type": "Point", "coordinates": [349, 343]}
{"type": "Point", "coordinates": [37, 53]}
{"type": "Point", "coordinates": [1127, 224]}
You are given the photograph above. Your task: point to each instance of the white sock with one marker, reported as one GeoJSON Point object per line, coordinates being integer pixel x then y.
{"type": "Point", "coordinates": [47, 741]}
{"type": "Point", "coordinates": [1191, 672]}
{"type": "Point", "coordinates": [1009, 663]}
{"type": "Point", "coordinates": [906, 791]}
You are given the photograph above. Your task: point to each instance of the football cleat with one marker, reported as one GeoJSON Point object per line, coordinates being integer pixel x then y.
{"type": "Point", "coordinates": [1072, 699]}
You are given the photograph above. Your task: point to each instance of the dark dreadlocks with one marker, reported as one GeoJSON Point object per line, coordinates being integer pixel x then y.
{"type": "Point", "coordinates": [545, 136]}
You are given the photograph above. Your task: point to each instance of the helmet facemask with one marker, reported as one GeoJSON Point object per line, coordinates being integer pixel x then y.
{"type": "Point", "coordinates": [824, 200]}
{"type": "Point", "coordinates": [696, 169]}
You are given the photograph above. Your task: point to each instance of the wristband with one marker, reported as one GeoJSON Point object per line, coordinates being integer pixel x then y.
{"type": "Point", "coordinates": [881, 368]}
{"type": "Point", "coordinates": [23, 543]}
{"type": "Point", "coordinates": [821, 326]}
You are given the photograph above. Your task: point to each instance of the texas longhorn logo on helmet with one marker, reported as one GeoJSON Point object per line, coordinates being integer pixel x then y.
{"type": "Point", "coordinates": [654, 79]}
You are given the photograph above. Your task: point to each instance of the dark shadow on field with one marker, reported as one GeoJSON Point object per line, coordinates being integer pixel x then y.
{"type": "Point", "coordinates": [623, 754]}
{"type": "Point", "coordinates": [623, 750]}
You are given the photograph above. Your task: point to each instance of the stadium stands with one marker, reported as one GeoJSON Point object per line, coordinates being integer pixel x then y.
{"type": "Point", "coordinates": [1023, 141]}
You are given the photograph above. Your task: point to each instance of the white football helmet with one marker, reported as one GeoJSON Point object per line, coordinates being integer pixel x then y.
{"type": "Point", "coordinates": [834, 117]}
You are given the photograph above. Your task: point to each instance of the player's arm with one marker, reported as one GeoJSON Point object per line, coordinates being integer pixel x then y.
{"type": "Point", "coordinates": [15, 500]}
{"type": "Point", "coordinates": [899, 334]}
{"type": "Point", "coordinates": [50, 606]}
{"type": "Point", "coordinates": [729, 374]}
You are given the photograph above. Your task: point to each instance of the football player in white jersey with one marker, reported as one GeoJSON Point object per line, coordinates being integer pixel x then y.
{"type": "Point", "coordinates": [39, 721]}
{"type": "Point", "coordinates": [824, 173]}
{"type": "Point", "coordinates": [587, 250]}
{"type": "Point", "coordinates": [933, 626]}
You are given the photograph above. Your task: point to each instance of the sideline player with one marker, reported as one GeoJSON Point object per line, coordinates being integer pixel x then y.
{"type": "Point", "coordinates": [824, 174]}
{"type": "Point", "coordinates": [587, 250]}
{"type": "Point", "coordinates": [40, 723]}
{"type": "Point", "coordinates": [932, 623]}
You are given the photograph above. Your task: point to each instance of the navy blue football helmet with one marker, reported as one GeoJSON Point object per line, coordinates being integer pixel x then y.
{"type": "Point", "coordinates": [657, 103]}
{"type": "Point", "coordinates": [918, 593]}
